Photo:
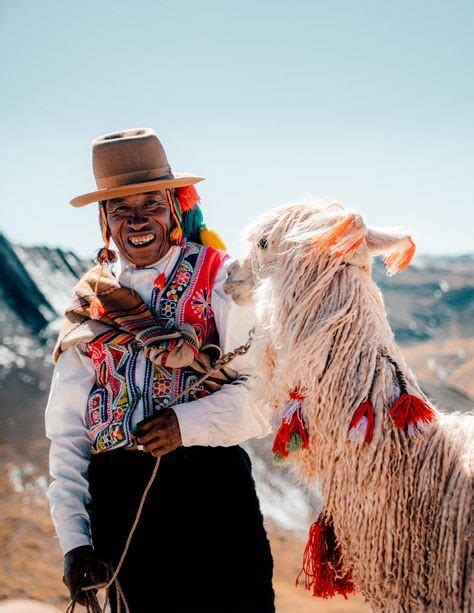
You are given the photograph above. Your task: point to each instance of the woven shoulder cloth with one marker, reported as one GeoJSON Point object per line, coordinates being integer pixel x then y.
{"type": "Point", "coordinates": [122, 309]}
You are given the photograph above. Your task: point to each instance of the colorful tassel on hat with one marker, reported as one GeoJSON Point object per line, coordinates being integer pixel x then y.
{"type": "Point", "coordinates": [361, 428]}
{"type": "Point", "coordinates": [176, 235]}
{"type": "Point", "coordinates": [210, 238]}
{"type": "Point", "coordinates": [187, 197]}
{"type": "Point", "coordinates": [323, 563]}
{"type": "Point", "coordinates": [292, 434]}
{"type": "Point", "coordinates": [412, 414]}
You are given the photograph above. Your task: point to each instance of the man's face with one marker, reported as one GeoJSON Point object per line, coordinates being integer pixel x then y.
{"type": "Point", "coordinates": [140, 226]}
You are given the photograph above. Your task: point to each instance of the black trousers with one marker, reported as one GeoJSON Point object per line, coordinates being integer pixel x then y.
{"type": "Point", "coordinates": [200, 545]}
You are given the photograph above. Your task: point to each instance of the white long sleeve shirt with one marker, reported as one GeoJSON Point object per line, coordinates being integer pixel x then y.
{"type": "Point", "coordinates": [222, 419]}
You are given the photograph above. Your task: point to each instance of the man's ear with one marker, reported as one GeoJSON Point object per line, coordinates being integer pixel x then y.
{"type": "Point", "coordinates": [396, 247]}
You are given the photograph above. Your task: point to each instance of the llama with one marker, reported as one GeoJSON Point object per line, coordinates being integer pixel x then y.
{"type": "Point", "coordinates": [394, 471]}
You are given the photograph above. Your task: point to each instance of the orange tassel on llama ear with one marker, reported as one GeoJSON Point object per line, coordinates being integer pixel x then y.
{"type": "Point", "coordinates": [343, 237]}
{"type": "Point", "coordinates": [399, 259]}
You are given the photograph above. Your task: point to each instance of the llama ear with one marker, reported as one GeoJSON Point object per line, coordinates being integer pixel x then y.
{"type": "Point", "coordinates": [343, 236]}
{"type": "Point", "coordinates": [396, 247]}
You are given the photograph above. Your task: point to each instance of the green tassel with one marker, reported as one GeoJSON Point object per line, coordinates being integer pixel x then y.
{"type": "Point", "coordinates": [295, 442]}
{"type": "Point", "coordinates": [192, 223]}
{"type": "Point", "coordinates": [278, 458]}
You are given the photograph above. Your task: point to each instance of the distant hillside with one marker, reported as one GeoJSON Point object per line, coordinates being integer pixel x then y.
{"type": "Point", "coordinates": [430, 306]}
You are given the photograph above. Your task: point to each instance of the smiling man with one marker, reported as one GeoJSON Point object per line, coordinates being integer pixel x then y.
{"type": "Point", "coordinates": [141, 329]}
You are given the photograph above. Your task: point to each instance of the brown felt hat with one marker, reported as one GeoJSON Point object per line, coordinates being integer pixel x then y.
{"type": "Point", "coordinates": [131, 162]}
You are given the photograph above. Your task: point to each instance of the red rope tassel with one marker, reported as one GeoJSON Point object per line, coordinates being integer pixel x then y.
{"type": "Point", "coordinates": [292, 434]}
{"type": "Point", "coordinates": [361, 429]}
{"type": "Point", "coordinates": [160, 281]}
{"type": "Point", "coordinates": [412, 414]}
{"type": "Point", "coordinates": [322, 563]}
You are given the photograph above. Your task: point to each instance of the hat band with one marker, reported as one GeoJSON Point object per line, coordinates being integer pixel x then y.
{"type": "Point", "coordinates": [127, 178]}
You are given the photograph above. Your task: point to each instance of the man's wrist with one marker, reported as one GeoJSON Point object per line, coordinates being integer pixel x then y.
{"type": "Point", "coordinates": [193, 423]}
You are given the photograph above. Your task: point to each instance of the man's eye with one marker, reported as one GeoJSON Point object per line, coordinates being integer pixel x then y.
{"type": "Point", "coordinates": [262, 243]}
{"type": "Point", "coordinates": [154, 205]}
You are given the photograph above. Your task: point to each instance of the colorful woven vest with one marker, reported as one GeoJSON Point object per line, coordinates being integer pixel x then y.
{"type": "Point", "coordinates": [186, 298]}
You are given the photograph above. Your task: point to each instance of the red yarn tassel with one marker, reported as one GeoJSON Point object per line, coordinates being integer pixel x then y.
{"type": "Point", "coordinates": [361, 429]}
{"type": "Point", "coordinates": [292, 434]}
{"type": "Point", "coordinates": [323, 563]}
{"type": "Point", "coordinates": [187, 197]}
{"type": "Point", "coordinates": [412, 414]}
{"type": "Point", "coordinates": [160, 281]}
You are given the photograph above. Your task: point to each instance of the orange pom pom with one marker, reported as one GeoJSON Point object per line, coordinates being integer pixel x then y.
{"type": "Point", "coordinates": [187, 197]}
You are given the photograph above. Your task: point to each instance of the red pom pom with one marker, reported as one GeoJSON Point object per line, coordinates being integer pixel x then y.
{"type": "Point", "coordinates": [361, 429]}
{"type": "Point", "coordinates": [187, 197]}
{"type": "Point", "coordinates": [412, 414]}
{"type": "Point", "coordinates": [323, 563]}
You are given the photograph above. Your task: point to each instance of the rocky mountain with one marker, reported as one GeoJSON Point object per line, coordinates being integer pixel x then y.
{"type": "Point", "coordinates": [430, 306]}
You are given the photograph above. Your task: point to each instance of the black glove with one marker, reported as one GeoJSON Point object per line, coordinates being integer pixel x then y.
{"type": "Point", "coordinates": [82, 567]}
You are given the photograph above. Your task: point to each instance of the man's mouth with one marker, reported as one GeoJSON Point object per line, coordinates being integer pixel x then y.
{"type": "Point", "coordinates": [141, 240]}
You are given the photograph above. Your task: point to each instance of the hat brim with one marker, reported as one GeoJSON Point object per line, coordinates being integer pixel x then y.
{"type": "Point", "coordinates": [179, 180]}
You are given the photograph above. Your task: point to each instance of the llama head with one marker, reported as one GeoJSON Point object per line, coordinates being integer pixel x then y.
{"type": "Point", "coordinates": [327, 238]}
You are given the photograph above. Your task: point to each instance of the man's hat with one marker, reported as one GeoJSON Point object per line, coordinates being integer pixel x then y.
{"type": "Point", "coordinates": [131, 162]}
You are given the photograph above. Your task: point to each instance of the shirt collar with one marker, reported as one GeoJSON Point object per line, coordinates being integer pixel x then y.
{"type": "Point", "coordinates": [123, 265]}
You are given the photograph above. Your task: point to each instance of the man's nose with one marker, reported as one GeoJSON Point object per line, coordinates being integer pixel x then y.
{"type": "Point", "coordinates": [138, 222]}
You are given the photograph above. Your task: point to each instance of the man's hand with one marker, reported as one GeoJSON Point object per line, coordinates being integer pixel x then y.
{"type": "Point", "coordinates": [82, 567]}
{"type": "Point", "coordinates": [159, 434]}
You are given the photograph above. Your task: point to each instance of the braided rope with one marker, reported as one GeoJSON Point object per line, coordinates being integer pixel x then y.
{"type": "Point", "coordinates": [92, 604]}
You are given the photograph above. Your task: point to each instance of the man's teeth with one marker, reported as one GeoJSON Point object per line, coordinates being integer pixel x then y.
{"type": "Point", "coordinates": [142, 240]}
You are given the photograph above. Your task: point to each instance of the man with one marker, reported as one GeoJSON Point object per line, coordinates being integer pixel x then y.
{"type": "Point", "coordinates": [138, 334]}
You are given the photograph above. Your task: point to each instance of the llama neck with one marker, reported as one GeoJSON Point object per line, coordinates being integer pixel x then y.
{"type": "Point", "coordinates": [333, 351]}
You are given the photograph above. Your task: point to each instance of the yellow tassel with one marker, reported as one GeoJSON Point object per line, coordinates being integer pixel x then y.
{"type": "Point", "coordinates": [176, 235]}
{"type": "Point", "coordinates": [210, 238]}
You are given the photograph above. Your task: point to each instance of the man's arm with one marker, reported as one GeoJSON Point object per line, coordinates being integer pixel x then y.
{"type": "Point", "coordinates": [227, 417]}
{"type": "Point", "coordinates": [68, 493]}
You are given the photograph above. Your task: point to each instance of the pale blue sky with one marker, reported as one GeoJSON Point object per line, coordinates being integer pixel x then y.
{"type": "Point", "coordinates": [370, 103]}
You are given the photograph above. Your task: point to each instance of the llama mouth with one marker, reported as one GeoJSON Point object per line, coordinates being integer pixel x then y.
{"type": "Point", "coordinates": [141, 240]}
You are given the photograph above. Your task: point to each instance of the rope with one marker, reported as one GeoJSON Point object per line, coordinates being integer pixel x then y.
{"type": "Point", "coordinates": [91, 602]}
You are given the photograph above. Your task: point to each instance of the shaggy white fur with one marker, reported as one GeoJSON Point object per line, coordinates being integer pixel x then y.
{"type": "Point", "coordinates": [401, 504]}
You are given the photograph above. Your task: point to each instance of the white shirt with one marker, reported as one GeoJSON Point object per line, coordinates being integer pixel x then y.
{"type": "Point", "coordinates": [222, 419]}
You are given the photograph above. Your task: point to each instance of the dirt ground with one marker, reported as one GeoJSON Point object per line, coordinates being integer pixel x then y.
{"type": "Point", "coordinates": [31, 564]}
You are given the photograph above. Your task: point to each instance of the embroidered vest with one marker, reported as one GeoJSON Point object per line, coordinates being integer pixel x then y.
{"type": "Point", "coordinates": [186, 298]}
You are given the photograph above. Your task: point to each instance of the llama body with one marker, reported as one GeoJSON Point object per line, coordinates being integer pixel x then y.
{"type": "Point", "coordinates": [400, 504]}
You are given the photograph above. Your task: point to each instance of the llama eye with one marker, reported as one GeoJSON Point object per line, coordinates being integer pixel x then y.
{"type": "Point", "coordinates": [262, 243]}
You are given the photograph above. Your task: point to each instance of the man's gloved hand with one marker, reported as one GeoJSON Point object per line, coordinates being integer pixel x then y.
{"type": "Point", "coordinates": [82, 567]}
{"type": "Point", "coordinates": [159, 434]}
